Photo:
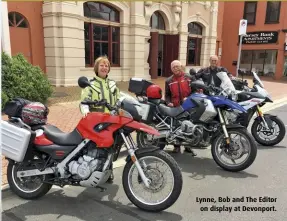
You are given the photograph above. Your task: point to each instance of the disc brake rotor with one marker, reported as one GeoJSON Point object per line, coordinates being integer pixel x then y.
{"type": "Point", "coordinates": [234, 152]}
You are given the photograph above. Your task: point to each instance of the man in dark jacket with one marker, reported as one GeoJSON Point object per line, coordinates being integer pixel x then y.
{"type": "Point", "coordinates": [208, 74]}
{"type": "Point", "coordinates": [177, 87]}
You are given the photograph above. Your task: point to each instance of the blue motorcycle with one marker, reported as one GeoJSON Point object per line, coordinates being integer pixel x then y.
{"type": "Point", "coordinates": [200, 118]}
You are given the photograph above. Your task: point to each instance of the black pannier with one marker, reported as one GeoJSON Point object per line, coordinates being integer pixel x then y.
{"type": "Point", "coordinates": [138, 86]}
{"type": "Point", "coordinates": [14, 107]}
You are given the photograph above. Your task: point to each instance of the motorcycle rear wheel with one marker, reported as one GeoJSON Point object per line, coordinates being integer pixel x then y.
{"type": "Point", "coordinates": [17, 186]}
{"type": "Point", "coordinates": [143, 142]}
{"type": "Point", "coordinates": [171, 197]}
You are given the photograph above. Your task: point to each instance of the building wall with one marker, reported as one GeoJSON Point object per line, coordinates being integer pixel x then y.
{"type": "Point", "coordinates": [219, 30]}
{"type": "Point", "coordinates": [231, 20]}
{"type": "Point", "coordinates": [32, 12]}
{"type": "Point", "coordinates": [60, 46]}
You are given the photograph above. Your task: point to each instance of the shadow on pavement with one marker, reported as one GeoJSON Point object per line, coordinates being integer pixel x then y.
{"type": "Point", "coordinates": [271, 147]}
{"type": "Point", "coordinates": [89, 205]}
{"type": "Point", "coordinates": [200, 167]}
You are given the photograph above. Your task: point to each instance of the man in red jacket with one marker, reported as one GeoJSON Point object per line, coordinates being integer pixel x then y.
{"type": "Point", "coordinates": [177, 87]}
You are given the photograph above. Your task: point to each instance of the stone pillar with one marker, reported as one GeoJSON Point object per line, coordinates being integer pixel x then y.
{"type": "Point", "coordinates": [183, 33]}
{"type": "Point", "coordinates": [139, 33]}
{"type": "Point", "coordinates": [5, 38]}
{"type": "Point", "coordinates": [64, 42]}
{"type": "Point", "coordinates": [212, 29]}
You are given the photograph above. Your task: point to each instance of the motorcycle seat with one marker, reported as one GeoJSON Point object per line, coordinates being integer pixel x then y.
{"type": "Point", "coordinates": [61, 138]}
{"type": "Point", "coordinates": [170, 111]}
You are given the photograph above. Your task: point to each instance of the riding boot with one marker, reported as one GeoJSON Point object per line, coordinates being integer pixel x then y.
{"type": "Point", "coordinates": [189, 150]}
{"type": "Point", "coordinates": [176, 149]}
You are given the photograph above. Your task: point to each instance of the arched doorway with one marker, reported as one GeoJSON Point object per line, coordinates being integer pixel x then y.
{"type": "Point", "coordinates": [157, 34]}
{"type": "Point", "coordinates": [20, 35]}
{"type": "Point", "coordinates": [157, 44]}
{"type": "Point", "coordinates": [164, 47]}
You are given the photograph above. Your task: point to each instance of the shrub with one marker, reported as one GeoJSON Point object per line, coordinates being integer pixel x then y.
{"type": "Point", "coordinates": [22, 79]}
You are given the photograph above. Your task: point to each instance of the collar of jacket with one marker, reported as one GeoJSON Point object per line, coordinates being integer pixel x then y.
{"type": "Point", "coordinates": [178, 76]}
{"type": "Point", "coordinates": [101, 79]}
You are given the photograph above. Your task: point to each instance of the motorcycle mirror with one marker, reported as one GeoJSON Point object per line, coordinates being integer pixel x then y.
{"type": "Point", "coordinates": [83, 82]}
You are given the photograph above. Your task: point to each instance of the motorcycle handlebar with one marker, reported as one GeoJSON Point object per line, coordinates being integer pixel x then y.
{"type": "Point", "coordinates": [102, 102]}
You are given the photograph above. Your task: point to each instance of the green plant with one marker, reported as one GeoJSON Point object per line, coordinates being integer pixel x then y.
{"type": "Point", "coordinates": [4, 99]}
{"type": "Point", "coordinates": [22, 79]}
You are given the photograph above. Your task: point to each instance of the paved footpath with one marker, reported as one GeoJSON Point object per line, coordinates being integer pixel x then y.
{"type": "Point", "coordinates": [66, 115]}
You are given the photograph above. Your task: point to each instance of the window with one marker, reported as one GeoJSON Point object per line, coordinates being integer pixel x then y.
{"type": "Point", "coordinates": [250, 12]}
{"type": "Point", "coordinates": [272, 12]}
{"type": "Point", "coordinates": [101, 39]}
{"type": "Point", "coordinates": [263, 62]}
{"type": "Point", "coordinates": [17, 20]}
{"type": "Point", "coordinates": [157, 21]}
{"type": "Point", "coordinates": [194, 28]}
{"type": "Point", "coordinates": [194, 44]}
{"type": "Point", "coordinates": [101, 11]}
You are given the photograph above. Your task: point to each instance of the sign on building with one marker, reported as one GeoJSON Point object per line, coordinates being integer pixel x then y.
{"type": "Point", "coordinates": [242, 27]}
{"type": "Point", "coordinates": [260, 37]}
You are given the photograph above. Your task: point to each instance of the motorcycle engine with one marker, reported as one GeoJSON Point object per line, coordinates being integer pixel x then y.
{"type": "Point", "coordinates": [231, 116]}
{"type": "Point", "coordinates": [187, 126]}
{"type": "Point", "coordinates": [192, 133]}
{"type": "Point", "coordinates": [92, 160]}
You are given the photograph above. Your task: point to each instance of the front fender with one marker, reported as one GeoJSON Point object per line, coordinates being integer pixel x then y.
{"type": "Point", "coordinates": [228, 126]}
{"type": "Point", "coordinates": [143, 150]}
{"type": "Point", "coordinates": [267, 118]}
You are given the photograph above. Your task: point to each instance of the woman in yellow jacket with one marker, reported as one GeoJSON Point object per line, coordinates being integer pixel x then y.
{"type": "Point", "coordinates": [105, 89]}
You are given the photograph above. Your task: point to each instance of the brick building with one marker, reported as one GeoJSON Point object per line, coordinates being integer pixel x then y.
{"type": "Point", "coordinates": [264, 48]}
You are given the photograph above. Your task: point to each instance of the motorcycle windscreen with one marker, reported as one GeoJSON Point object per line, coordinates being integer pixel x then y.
{"type": "Point", "coordinates": [258, 79]}
{"type": "Point", "coordinates": [226, 83]}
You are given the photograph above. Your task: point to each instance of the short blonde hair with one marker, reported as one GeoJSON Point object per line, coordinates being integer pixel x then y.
{"type": "Point", "coordinates": [97, 62]}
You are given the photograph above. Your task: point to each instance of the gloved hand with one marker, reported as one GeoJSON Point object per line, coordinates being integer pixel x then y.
{"type": "Point", "coordinates": [85, 110]}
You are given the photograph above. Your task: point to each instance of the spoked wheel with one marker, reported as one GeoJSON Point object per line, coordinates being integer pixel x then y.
{"type": "Point", "coordinates": [26, 187]}
{"type": "Point", "coordinates": [165, 181]}
{"type": "Point", "coordinates": [268, 137]}
{"type": "Point", "coordinates": [145, 140]}
{"type": "Point", "coordinates": [239, 155]}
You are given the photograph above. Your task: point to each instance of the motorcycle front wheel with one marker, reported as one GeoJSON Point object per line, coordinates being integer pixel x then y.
{"type": "Point", "coordinates": [165, 186]}
{"type": "Point", "coordinates": [246, 145]}
{"type": "Point", "coordinates": [267, 137]}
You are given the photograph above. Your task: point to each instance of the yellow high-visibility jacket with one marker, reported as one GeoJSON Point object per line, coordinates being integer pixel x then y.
{"type": "Point", "coordinates": [105, 89]}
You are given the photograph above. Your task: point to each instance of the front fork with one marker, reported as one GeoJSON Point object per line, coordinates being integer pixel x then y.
{"type": "Point", "coordinates": [131, 146]}
{"type": "Point", "coordinates": [223, 125]}
{"type": "Point", "coordinates": [260, 113]}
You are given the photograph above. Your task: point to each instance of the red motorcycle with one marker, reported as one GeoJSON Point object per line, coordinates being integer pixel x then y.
{"type": "Point", "coordinates": [46, 156]}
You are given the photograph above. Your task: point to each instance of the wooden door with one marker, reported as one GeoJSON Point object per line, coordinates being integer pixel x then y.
{"type": "Point", "coordinates": [153, 58]}
{"type": "Point", "coordinates": [20, 35]}
{"type": "Point", "coordinates": [170, 53]}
